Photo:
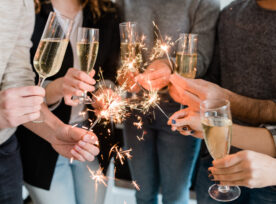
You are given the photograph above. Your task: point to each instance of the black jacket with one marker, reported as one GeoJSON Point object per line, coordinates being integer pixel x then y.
{"type": "Point", "coordinates": [38, 156]}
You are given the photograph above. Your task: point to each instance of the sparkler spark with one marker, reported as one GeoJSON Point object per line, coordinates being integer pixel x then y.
{"type": "Point", "coordinates": [98, 177]}
{"type": "Point", "coordinates": [121, 154]}
{"type": "Point", "coordinates": [142, 137]}
{"type": "Point", "coordinates": [138, 124]}
{"type": "Point", "coordinates": [136, 186]}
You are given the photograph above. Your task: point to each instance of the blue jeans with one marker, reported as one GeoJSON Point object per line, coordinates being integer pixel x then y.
{"type": "Point", "coordinates": [248, 196]}
{"type": "Point", "coordinates": [164, 159]}
{"type": "Point", "coordinates": [10, 173]}
{"type": "Point", "coordinates": [71, 184]}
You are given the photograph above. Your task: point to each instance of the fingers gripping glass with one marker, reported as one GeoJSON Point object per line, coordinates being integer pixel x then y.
{"type": "Point", "coordinates": [186, 56]}
{"type": "Point", "coordinates": [87, 51]}
{"type": "Point", "coordinates": [216, 121]}
{"type": "Point", "coordinates": [51, 49]}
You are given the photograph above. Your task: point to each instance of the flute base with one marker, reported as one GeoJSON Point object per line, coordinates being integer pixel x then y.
{"type": "Point", "coordinates": [224, 193]}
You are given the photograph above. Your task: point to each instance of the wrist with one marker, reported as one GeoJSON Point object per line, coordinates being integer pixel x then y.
{"type": "Point", "coordinates": [54, 91]}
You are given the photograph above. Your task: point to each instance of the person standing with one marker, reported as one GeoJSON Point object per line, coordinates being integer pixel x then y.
{"type": "Point", "coordinates": [50, 177]}
{"type": "Point", "coordinates": [21, 102]}
{"type": "Point", "coordinates": [165, 160]}
{"type": "Point", "coordinates": [243, 67]}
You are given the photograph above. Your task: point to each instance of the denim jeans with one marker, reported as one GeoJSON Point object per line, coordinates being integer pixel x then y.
{"type": "Point", "coordinates": [163, 160]}
{"type": "Point", "coordinates": [10, 173]}
{"type": "Point", "coordinates": [248, 196]}
{"type": "Point", "coordinates": [71, 184]}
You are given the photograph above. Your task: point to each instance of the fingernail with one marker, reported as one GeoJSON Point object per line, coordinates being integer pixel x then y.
{"type": "Point", "coordinates": [211, 177]}
{"type": "Point", "coordinates": [86, 138]}
{"type": "Point", "coordinates": [77, 148]}
{"type": "Point", "coordinates": [81, 143]}
{"type": "Point", "coordinates": [173, 121]}
{"type": "Point", "coordinates": [185, 128]}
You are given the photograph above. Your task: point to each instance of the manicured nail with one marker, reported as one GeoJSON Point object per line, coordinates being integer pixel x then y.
{"type": "Point", "coordinates": [77, 148]}
{"type": "Point", "coordinates": [82, 143]}
{"type": "Point", "coordinates": [87, 138]}
{"type": "Point", "coordinates": [173, 121]}
{"type": "Point", "coordinates": [211, 177]}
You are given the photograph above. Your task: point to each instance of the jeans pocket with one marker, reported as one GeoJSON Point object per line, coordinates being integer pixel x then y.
{"type": "Point", "coordinates": [10, 147]}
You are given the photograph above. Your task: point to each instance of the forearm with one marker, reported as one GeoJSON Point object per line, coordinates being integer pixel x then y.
{"type": "Point", "coordinates": [251, 110]}
{"type": "Point", "coordinates": [255, 139]}
{"type": "Point", "coordinates": [53, 91]}
{"type": "Point", "coordinates": [50, 128]}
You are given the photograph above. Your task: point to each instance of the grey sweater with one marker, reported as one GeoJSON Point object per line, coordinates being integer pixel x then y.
{"type": "Point", "coordinates": [174, 17]}
{"type": "Point", "coordinates": [245, 56]}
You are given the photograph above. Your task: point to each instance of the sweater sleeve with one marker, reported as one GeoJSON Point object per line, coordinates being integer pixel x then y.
{"type": "Point", "coordinates": [19, 71]}
{"type": "Point", "coordinates": [204, 24]}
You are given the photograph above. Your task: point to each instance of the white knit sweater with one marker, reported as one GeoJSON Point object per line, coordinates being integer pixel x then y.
{"type": "Point", "coordinates": [16, 27]}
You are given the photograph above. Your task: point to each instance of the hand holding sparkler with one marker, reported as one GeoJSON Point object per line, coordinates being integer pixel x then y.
{"type": "Point", "coordinates": [75, 142]}
{"type": "Point", "coordinates": [156, 76]}
{"type": "Point", "coordinates": [127, 78]}
{"type": "Point", "coordinates": [187, 122]}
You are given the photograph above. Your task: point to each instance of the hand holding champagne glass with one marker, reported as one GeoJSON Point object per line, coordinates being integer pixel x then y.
{"type": "Point", "coordinates": [216, 121]}
{"type": "Point", "coordinates": [131, 55]}
{"type": "Point", "coordinates": [87, 51]}
{"type": "Point", "coordinates": [52, 47]}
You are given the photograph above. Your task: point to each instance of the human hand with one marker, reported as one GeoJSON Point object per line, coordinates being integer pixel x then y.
{"type": "Point", "coordinates": [74, 83]}
{"type": "Point", "coordinates": [128, 81]}
{"type": "Point", "coordinates": [77, 143]}
{"type": "Point", "coordinates": [245, 168]}
{"type": "Point", "coordinates": [156, 76]}
{"type": "Point", "coordinates": [187, 122]}
{"type": "Point", "coordinates": [20, 105]}
{"type": "Point", "coordinates": [192, 91]}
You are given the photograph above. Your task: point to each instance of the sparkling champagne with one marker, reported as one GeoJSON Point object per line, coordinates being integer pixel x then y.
{"type": "Point", "coordinates": [217, 135]}
{"type": "Point", "coordinates": [131, 52]}
{"type": "Point", "coordinates": [186, 64]}
{"type": "Point", "coordinates": [87, 53]}
{"type": "Point", "coordinates": [49, 56]}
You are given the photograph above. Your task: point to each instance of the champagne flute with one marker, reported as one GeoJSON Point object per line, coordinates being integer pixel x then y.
{"type": "Point", "coordinates": [87, 51]}
{"type": "Point", "coordinates": [216, 121]}
{"type": "Point", "coordinates": [51, 49]}
{"type": "Point", "coordinates": [186, 56]}
{"type": "Point", "coordinates": [131, 54]}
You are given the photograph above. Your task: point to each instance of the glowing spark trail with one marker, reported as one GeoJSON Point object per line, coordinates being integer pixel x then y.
{"type": "Point", "coordinates": [136, 185]}
{"type": "Point", "coordinates": [98, 177]}
{"type": "Point", "coordinates": [121, 154]}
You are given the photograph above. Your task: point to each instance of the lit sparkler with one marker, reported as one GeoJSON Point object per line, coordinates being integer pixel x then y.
{"type": "Point", "coordinates": [121, 154]}
{"type": "Point", "coordinates": [98, 177]}
{"type": "Point", "coordinates": [136, 186]}
{"type": "Point", "coordinates": [138, 124]}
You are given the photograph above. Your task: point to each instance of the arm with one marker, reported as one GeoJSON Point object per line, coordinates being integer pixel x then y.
{"type": "Point", "coordinates": [204, 25]}
{"type": "Point", "coordinates": [252, 110]}
{"type": "Point", "coordinates": [255, 139]}
{"type": "Point", "coordinates": [192, 91]}
{"type": "Point", "coordinates": [249, 138]}
{"type": "Point", "coordinates": [66, 140]}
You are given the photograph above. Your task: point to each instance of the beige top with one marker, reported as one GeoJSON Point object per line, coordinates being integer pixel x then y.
{"type": "Point", "coordinates": [16, 27]}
